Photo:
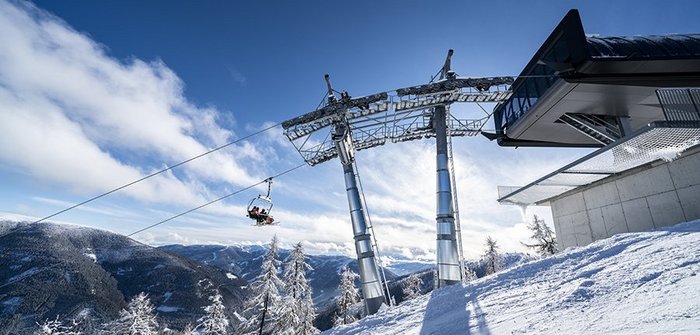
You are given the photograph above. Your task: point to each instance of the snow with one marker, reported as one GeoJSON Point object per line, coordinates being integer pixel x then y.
{"type": "Point", "coordinates": [85, 312]}
{"type": "Point", "coordinates": [23, 274]}
{"type": "Point", "coordinates": [10, 305]}
{"type": "Point", "coordinates": [167, 309]}
{"type": "Point", "coordinates": [121, 271]}
{"type": "Point", "coordinates": [238, 317]}
{"type": "Point", "coordinates": [631, 283]}
{"type": "Point", "coordinates": [230, 275]}
{"type": "Point", "coordinates": [6, 216]}
{"type": "Point", "coordinates": [91, 255]}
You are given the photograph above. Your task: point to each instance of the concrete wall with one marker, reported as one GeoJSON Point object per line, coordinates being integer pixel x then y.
{"type": "Point", "coordinates": [643, 199]}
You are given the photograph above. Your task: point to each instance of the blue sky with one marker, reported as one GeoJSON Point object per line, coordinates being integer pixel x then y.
{"type": "Point", "coordinates": [96, 94]}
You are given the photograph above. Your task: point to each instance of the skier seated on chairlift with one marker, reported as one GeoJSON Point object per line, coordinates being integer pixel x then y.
{"type": "Point", "coordinates": [264, 218]}
{"type": "Point", "coordinates": [253, 213]}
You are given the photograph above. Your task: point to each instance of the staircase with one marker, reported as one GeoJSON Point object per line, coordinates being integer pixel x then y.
{"type": "Point", "coordinates": [596, 127]}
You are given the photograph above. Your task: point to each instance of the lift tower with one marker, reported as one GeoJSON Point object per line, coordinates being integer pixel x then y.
{"type": "Point", "coordinates": [339, 127]}
{"type": "Point", "coordinates": [370, 281]}
{"type": "Point", "coordinates": [449, 270]}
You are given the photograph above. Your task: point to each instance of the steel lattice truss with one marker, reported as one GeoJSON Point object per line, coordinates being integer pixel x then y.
{"type": "Point", "coordinates": [396, 116]}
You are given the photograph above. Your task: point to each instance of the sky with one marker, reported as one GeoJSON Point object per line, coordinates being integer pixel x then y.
{"type": "Point", "coordinates": [95, 94]}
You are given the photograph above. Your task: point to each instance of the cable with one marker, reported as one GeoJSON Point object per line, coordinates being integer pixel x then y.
{"type": "Point", "coordinates": [161, 222]}
{"type": "Point", "coordinates": [215, 200]}
{"type": "Point", "coordinates": [158, 172]}
{"type": "Point", "coordinates": [191, 159]}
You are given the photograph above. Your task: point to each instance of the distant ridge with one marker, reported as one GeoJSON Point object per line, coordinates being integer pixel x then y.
{"type": "Point", "coordinates": [72, 271]}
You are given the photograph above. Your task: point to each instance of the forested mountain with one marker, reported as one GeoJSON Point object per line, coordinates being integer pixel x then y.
{"type": "Point", "coordinates": [246, 261]}
{"type": "Point", "coordinates": [49, 270]}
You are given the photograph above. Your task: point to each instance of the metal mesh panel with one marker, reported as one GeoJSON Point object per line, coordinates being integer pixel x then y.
{"type": "Point", "coordinates": [573, 179]}
{"type": "Point", "coordinates": [505, 190]}
{"type": "Point", "coordinates": [535, 193]}
{"type": "Point", "coordinates": [658, 143]}
{"type": "Point", "coordinates": [664, 142]}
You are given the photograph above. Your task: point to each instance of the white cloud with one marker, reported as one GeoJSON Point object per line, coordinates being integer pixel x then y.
{"type": "Point", "coordinates": [68, 106]}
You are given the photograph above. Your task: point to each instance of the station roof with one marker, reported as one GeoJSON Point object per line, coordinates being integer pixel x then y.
{"type": "Point", "coordinates": [610, 77]}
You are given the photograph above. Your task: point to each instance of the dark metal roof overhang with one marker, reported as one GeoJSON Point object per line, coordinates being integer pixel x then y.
{"type": "Point", "coordinates": [610, 77]}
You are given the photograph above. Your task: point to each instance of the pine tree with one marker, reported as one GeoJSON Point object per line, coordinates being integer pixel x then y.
{"type": "Point", "coordinates": [189, 330]}
{"type": "Point", "coordinates": [260, 310]}
{"type": "Point", "coordinates": [348, 296]}
{"type": "Point", "coordinates": [137, 319]}
{"type": "Point", "coordinates": [411, 287]}
{"type": "Point", "coordinates": [308, 314]}
{"type": "Point", "coordinates": [297, 311]}
{"type": "Point", "coordinates": [49, 327]}
{"type": "Point", "coordinates": [469, 274]}
{"type": "Point", "coordinates": [215, 321]}
{"type": "Point", "coordinates": [492, 258]}
{"type": "Point", "coordinates": [55, 327]}
{"type": "Point", "coordinates": [545, 242]}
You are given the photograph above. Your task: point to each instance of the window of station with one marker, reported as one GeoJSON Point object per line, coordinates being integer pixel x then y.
{"type": "Point", "coordinates": [533, 85]}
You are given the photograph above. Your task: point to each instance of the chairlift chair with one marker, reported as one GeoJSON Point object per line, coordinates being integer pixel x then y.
{"type": "Point", "coordinates": [262, 202]}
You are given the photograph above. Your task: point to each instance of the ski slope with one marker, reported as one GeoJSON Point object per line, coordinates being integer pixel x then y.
{"type": "Point", "coordinates": [634, 283]}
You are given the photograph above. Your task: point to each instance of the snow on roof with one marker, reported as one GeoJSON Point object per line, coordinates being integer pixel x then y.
{"type": "Point", "coordinates": [645, 47]}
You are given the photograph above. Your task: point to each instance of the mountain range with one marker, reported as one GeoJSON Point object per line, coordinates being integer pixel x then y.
{"type": "Point", "coordinates": [71, 272]}
{"type": "Point", "coordinates": [49, 270]}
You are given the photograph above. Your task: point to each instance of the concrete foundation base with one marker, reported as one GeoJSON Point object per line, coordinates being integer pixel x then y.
{"type": "Point", "coordinates": [645, 198]}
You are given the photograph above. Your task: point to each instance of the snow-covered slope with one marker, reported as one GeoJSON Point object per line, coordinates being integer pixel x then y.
{"type": "Point", "coordinates": [636, 283]}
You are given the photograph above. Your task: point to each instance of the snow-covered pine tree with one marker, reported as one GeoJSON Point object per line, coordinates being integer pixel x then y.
{"type": "Point", "coordinates": [215, 321]}
{"type": "Point", "coordinates": [411, 287]}
{"type": "Point", "coordinates": [469, 274]}
{"type": "Point", "coordinates": [55, 327]}
{"type": "Point", "coordinates": [296, 313]}
{"type": "Point", "coordinates": [348, 296]}
{"type": "Point", "coordinates": [545, 242]}
{"type": "Point", "coordinates": [492, 258]}
{"type": "Point", "coordinates": [138, 319]}
{"type": "Point", "coordinates": [288, 319]}
{"type": "Point", "coordinates": [188, 330]}
{"type": "Point", "coordinates": [306, 324]}
{"type": "Point", "coordinates": [49, 327]}
{"type": "Point", "coordinates": [260, 309]}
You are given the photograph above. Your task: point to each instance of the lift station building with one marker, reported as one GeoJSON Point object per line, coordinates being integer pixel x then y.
{"type": "Point", "coordinates": [636, 99]}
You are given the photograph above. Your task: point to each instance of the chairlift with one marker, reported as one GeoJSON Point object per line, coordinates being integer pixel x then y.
{"type": "Point", "coordinates": [259, 208]}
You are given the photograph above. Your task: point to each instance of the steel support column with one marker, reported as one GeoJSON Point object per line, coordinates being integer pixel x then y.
{"type": "Point", "coordinates": [370, 281]}
{"type": "Point", "coordinates": [448, 269]}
